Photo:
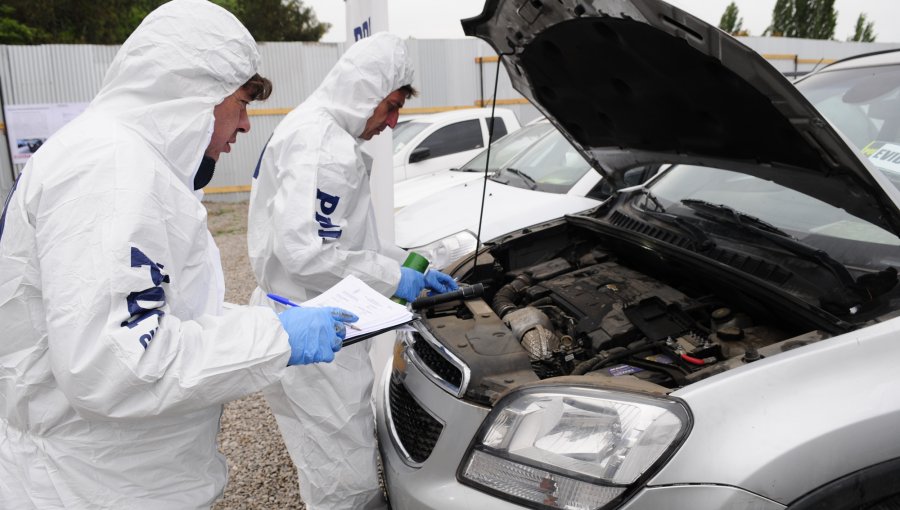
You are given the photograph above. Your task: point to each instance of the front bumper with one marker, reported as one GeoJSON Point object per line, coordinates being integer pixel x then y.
{"type": "Point", "coordinates": [431, 484]}
{"type": "Point", "coordinates": [425, 479]}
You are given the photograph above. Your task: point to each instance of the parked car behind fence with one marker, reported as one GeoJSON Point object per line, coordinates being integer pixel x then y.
{"type": "Point", "coordinates": [437, 142]}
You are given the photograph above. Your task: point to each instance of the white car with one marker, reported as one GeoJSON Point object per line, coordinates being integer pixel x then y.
{"type": "Point", "coordinates": [543, 181]}
{"type": "Point", "coordinates": [501, 152]}
{"type": "Point", "coordinates": [440, 141]}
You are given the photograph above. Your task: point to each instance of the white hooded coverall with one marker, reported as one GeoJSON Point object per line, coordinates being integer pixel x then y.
{"type": "Point", "coordinates": [115, 355]}
{"type": "Point", "coordinates": [311, 223]}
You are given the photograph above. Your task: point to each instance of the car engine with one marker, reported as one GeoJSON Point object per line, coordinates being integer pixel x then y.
{"type": "Point", "coordinates": [573, 320]}
{"type": "Point", "coordinates": [609, 311]}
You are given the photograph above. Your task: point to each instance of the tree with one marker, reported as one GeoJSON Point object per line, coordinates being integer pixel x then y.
{"type": "Point", "coordinates": [730, 21]}
{"type": "Point", "coordinates": [111, 21]}
{"type": "Point", "coordinates": [865, 32]}
{"type": "Point", "coordinates": [12, 31]}
{"type": "Point", "coordinates": [823, 17]}
{"type": "Point", "coordinates": [782, 17]}
{"type": "Point", "coordinates": [279, 20]}
{"type": "Point", "coordinates": [808, 19]}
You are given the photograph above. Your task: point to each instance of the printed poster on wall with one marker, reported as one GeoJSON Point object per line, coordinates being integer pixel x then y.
{"type": "Point", "coordinates": [29, 125]}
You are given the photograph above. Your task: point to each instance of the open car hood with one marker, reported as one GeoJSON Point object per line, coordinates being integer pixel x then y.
{"type": "Point", "coordinates": [634, 82]}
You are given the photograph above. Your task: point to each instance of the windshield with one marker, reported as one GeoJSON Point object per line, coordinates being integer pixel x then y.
{"type": "Point", "coordinates": [847, 238]}
{"type": "Point", "coordinates": [551, 164]}
{"type": "Point", "coordinates": [864, 104]}
{"type": "Point", "coordinates": [405, 131]}
{"type": "Point", "coordinates": [504, 149]}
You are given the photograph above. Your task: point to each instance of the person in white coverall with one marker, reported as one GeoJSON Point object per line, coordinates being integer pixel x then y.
{"type": "Point", "coordinates": [311, 223]}
{"type": "Point", "coordinates": [115, 354]}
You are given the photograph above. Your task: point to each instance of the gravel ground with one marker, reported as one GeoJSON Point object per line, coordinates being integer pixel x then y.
{"type": "Point", "coordinates": [261, 475]}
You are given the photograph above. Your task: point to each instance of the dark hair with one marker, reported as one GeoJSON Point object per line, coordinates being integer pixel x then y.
{"type": "Point", "coordinates": [409, 91]}
{"type": "Point", "coordinates": [258, 87]}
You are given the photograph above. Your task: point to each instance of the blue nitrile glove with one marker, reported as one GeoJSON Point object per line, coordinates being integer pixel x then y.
{"type": "Point", "coordinates": [439, 282]}
{"type": "Point", "coordinates": [315, 334]}
{"type": "Point", "coordinates": [411, 284]}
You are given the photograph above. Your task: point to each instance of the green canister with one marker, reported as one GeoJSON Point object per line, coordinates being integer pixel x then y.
{"type": "Point", "coordinates": [416, 262]}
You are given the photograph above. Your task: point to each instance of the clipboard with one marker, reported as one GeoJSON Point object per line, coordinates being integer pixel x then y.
{"type": "Point", "coordinates": [370, 334]}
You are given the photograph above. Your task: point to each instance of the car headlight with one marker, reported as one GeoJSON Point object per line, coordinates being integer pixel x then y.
{"type": "Point", "coordinates": [572, 447]}
{"type": "Point", "coordinates": [444, 251]}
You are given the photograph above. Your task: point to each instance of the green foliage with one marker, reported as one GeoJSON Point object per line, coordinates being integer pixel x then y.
{"type": "Point", "coordinates": [824, 20]}
{"type": "Point", "coordinates": [112, 21]}
{"type": "Point", "coordinates": [807, 19]}
{"type": "Point", "coordinates": [782, 17]}
{"type": "Point", "coordinates": [74, 21]}
{"type": "Point", "coordinates": [14, 32]}
{"type": "Point", "coordinates": [277, 20]}
{"type": "Point", "coordinates": [865, 31]}
{"type": "Point", "coordinates": [229, 5]}
{"type": "Point", "coordinates": [731, 21]}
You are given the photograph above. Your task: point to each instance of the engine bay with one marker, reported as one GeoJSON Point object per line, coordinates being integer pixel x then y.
{"type": "Point", "coordinates": [605, 316]}
{"type": "Point", "coordinates": [611, 311]}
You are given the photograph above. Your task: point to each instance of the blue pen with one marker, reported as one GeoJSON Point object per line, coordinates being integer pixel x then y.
{"type": "Point", "coordinates": [282, 300]}
{"type": "Point", "coordinates": [288, 302]}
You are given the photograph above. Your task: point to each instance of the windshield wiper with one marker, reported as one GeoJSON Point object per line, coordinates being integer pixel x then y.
{"type": "Point", "coordinates": [496, 178]}
{"type": "Point", "coordinates": [490, 171]}
{"type": "Point", "coordinates": [699, 237]}
{"type": "Point", "coordinates": [525, 177]}
{"type": "Point", "coordinates": [775, 235]}
{"type": "Point", "coordinates": [737, 217]}
{"type": "Point", "coordinates": [650, 196]}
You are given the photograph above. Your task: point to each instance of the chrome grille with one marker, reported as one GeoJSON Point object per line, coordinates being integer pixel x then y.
{"type": "Point", "coordinates": [435, 362]}
{"type": "Point", "coordinates": [416, 430]}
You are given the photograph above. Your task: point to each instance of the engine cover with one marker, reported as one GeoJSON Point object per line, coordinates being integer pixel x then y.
{"type": "Point", "coordinates": [599, 295]}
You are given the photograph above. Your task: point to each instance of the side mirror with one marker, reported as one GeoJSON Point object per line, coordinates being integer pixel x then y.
{"type": "Point", "coordinates": [419, 154]}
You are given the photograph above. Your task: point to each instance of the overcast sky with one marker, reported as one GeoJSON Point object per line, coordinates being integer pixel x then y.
{"type": "Point", "coordinates": [439, 19]}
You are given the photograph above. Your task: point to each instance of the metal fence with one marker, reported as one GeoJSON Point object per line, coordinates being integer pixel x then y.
{"type": "Point", "coordinates": [450, 74]}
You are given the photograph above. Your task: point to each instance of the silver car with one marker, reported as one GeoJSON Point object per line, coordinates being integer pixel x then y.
{"type": "Point", "coordinates": [726, 336]}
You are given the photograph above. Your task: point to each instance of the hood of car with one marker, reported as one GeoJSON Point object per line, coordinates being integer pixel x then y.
{"type": "Point", "coordinates": [427, 220]}
{"type": "Point", "coordinates": [412, 190]}
{"type": "Point", "coordinates": [634, 82]}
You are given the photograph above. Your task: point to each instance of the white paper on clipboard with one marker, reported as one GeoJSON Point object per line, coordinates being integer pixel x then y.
{"type": "Point", "coordinates": [375, 311]}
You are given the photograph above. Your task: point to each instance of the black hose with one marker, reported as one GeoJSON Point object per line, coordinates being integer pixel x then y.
{"type": "Point", "coordinates": [505, 298]}
{"type": "Point", "coordinates": [590, 363]}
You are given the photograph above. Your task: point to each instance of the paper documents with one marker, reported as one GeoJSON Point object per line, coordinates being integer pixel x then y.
{"type": "Point", "coordinates": [376, 312]}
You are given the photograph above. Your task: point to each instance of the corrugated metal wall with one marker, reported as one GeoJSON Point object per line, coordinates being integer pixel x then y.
{"type": "Point", "coordinates": [451, 73]}
{"type": "Point", "coordinates": [53, 73]}
{"type": "Point", "coordinates": [296, 69]}
{"type": "Point", "coordinates": [448, 74]}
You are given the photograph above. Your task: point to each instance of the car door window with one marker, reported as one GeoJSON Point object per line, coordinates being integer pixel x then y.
{"type": "Point", "coordinates": [498, 127]}
{"type": "Point", "coordinates": [458, 137]}
{"type": "Point", "coordinates": [405, 131]}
